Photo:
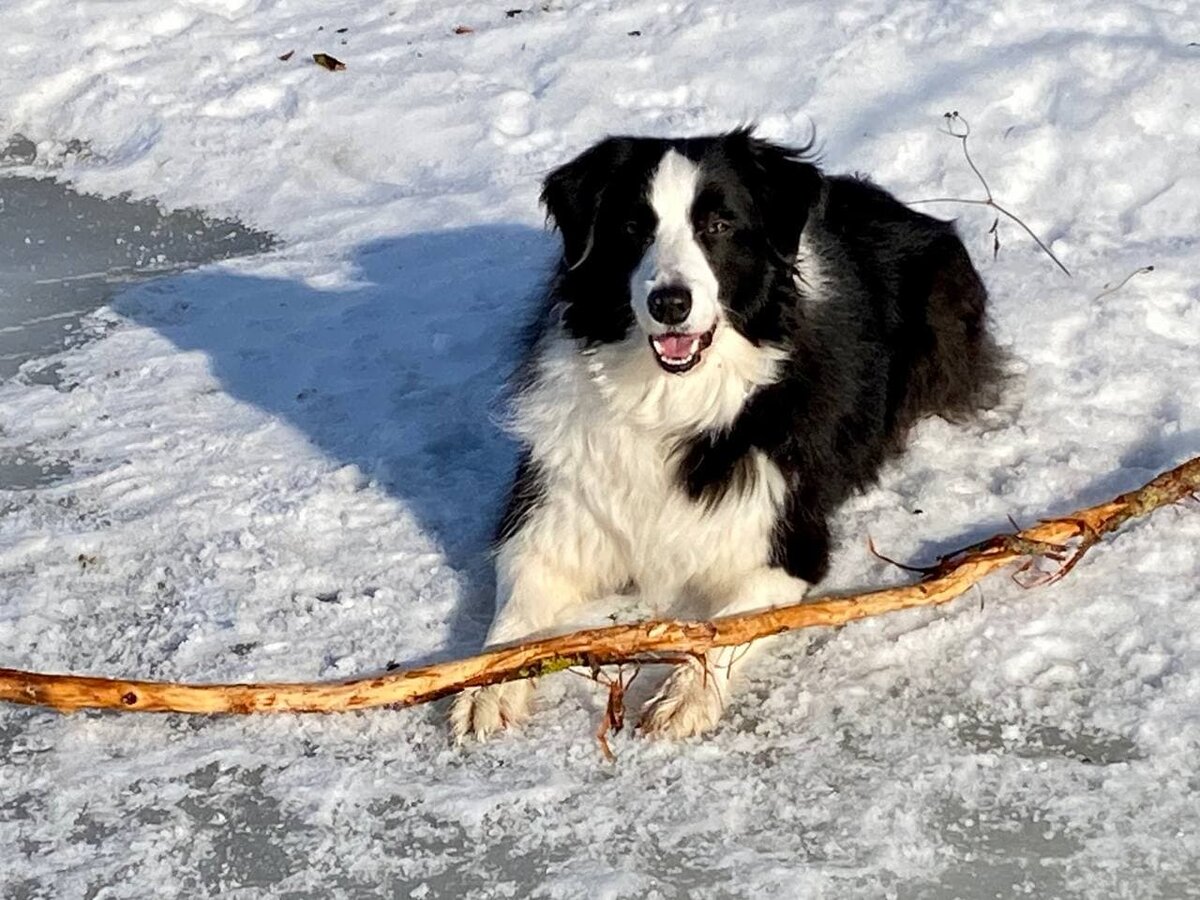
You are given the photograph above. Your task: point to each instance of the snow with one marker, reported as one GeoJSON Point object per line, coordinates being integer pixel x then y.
{"type": "Point", "coordinates": [285, 466]}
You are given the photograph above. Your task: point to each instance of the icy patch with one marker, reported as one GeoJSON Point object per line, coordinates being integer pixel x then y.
{"type": "Point", "coordinates": [64, 254]}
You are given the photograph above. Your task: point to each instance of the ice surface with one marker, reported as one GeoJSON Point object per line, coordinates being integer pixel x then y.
{"type": "Point", "coordinates": [286, 466]}
{"type": "Point", "coordinates": [63, 255]}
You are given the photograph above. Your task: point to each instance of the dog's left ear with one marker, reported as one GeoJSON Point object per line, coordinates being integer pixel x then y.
{"type": "Point", "coordinates": [786, 186]}
{"type": "Point", "coordinates": [572, 195]}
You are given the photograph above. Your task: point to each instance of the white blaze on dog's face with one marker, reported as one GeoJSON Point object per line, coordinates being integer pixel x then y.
{"type": "Point", "coordinates": [674, 292]}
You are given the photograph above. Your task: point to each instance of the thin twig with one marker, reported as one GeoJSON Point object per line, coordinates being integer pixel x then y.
{"type": "Point", "coordinates": [958, 127]}
{"type": "Point", "coordinates": [919, 570]}
{"type": "Point", "coordinates": [1111, 288]}
{"type": "Point", "coordinates": [613, 719]}
{"type": "Point", "coordinates": [951, 119]}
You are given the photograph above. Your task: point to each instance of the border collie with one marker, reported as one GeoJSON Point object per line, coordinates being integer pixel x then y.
{"type": "Point", "coordinates": [731, 344]}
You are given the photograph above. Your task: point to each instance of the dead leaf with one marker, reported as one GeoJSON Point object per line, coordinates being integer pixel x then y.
{"type": "Point", "coordinates": [328, 62]}
{"type": "Point", "coordinates": [464, 29]}
{"type": "Point", "coordinates": [286, 56]}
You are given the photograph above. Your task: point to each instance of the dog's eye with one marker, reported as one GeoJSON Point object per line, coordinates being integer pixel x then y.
{"type": "Point", "coordinates": [716, 226]}
{"type": "Point", "coordinates": [639, 233]}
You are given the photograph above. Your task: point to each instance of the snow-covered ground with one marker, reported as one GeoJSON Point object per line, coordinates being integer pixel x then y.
{"type": "Point", "coordinates": [285, 467]}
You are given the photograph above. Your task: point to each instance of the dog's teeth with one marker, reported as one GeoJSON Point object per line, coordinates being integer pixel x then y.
{"type": "Point", "coordinates": [668, 353]}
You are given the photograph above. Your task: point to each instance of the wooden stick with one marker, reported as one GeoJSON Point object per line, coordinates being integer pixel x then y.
{"type": "Point", "coordinates": [1063, 540]}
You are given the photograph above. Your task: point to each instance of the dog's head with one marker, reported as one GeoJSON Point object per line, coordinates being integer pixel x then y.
{"type": "Point", "coordinates": [677, 238]}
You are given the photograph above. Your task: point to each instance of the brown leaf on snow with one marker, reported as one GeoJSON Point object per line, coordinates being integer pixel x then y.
{"type": "Point", "coordinates": [464, 29]}
{"type": "Point", "coordinates": [328, 62]}
{"type": "Point", "coordinates": [286, 56]}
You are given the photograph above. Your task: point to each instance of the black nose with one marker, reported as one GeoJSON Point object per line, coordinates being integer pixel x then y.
{"type": "Point", "coordinates": [670, 304]}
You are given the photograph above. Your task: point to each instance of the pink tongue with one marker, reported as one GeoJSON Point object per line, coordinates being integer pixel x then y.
{"type": "Point", "coordinates": [675, 346]}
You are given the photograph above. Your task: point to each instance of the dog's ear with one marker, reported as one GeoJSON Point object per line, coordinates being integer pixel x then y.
{"type": "Point", "coordinates": [572, 194]}
{"type": "Point", "coordinates": [786, 185]}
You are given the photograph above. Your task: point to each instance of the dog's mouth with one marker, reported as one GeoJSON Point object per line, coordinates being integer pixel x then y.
{"type": "Point", "coordinates": [679, 353]}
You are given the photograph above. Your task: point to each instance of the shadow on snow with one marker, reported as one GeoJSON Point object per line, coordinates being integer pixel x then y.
{"type": "Point", "coordinates": [400, 375]}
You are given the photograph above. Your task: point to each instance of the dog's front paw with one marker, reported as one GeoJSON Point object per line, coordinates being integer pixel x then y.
{"type": "Point", "coordinates": [688, 703]}
{"type": "Point", "coordinates": [484, 711]}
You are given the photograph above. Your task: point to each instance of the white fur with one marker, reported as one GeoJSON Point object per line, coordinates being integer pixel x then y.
{"type": "Point", "coordinates": [692, 699]}
{"type": "Point", "coordinates": [635, 389]}
{"type": "Point", "coordinates": [602, 426]}
{"type": "Point", "coordinates": [675, 256]}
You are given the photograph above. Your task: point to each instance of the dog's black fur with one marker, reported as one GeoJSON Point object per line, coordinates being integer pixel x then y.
{"type": "Point", "coordinates": [882, 324]}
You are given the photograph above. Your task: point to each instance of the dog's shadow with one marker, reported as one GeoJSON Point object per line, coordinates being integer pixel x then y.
{"type": "Point", "coordinates": [400, 375]}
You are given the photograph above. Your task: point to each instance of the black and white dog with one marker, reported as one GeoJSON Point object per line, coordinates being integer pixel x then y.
{"type": "Point", "coordinates": [732, 343]}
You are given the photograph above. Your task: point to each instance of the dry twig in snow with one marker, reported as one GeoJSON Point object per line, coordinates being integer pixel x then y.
{"type": "Point", "coordinates": [958, 127]}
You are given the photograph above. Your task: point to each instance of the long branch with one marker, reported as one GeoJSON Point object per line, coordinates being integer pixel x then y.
{"type": "Point", "coordinates": [1063, 540]}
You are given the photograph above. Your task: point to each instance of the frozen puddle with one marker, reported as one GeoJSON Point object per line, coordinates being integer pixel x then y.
{"type": "Point", "coordinates": [64, 254]}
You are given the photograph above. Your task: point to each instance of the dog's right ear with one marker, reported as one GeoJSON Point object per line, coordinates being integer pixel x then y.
{"type": "Point", "coordinates": [572, 194]}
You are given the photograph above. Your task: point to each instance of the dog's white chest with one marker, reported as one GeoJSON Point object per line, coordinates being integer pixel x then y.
{"type": "Point", "coordinates": [611, 498]}
{"type": "Point", "coordinates": [627, 482]}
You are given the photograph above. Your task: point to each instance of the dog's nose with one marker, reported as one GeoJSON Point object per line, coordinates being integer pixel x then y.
{"type": "Point", "coordinates": [669, 304]}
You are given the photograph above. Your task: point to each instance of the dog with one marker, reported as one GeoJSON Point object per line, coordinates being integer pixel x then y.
{"type": "Point", "coordinates": [731, 344]}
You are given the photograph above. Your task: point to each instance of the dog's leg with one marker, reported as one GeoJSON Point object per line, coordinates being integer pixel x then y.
{"type": "Point", "coordinates": [533, 595]}
{"type": "Point", "coordinates": [693, 697]}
